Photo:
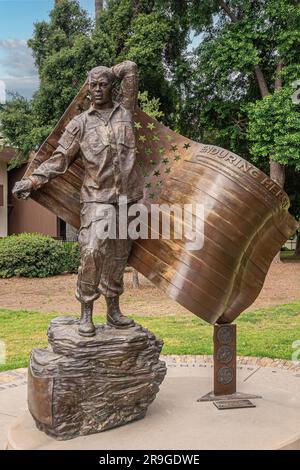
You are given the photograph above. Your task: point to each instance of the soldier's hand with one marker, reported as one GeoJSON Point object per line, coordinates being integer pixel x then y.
{"type": "Point", "coordinates": [23, 188]}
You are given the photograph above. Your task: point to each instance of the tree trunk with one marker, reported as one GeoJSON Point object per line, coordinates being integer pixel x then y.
{"type": "Point", "coordinates": [228, 11]}
{"type": "Point", "coordinates": [98, 6]}
{"type": "Point", "coordinates": [277, 171]}
{"type": "Point", "coordinates": [263, 87]}
{"type": "Point", "coordinates": [135, 279]}
{"type": "Point", "coordinates": [297, 250]}
{"type": "Point", "coordinates": [277, 174]}
{"type": "Point", "coordinates": [278, 78]}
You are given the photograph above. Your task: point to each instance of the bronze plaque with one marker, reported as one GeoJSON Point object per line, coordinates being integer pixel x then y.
{"type": "Point", "coordinates": [233, 404]}
{"type": "Point", "coordinates": [225, 375]}
{"type": "Point", "coordinates": [225, 335]}
{"type": "Point", "coordinates": [40, 397]}
{"type": "Point", "coordinates": [225, 354]}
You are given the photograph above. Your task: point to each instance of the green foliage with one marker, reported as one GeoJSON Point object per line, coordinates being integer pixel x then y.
{"type": "Point", "coordinates": [150, 106]}
{"type": "Point", "coordinates": [274, 128]}
{"type": "Point", "coordinates": [36, 255]}
{"type": "Point", "coordinates": [16, 125]}
{"type": "Point", "coordinates": [210, 94]}
{"type": "Point", "coordinates": [250, 33]}
{"type": "Point", "coordinates": [71, 257]}
{"type": "Point", "coordinates": [145, 46]}
{"type": "Point", "coordinates": [268, 332]}
{"type": "Point", "coordinates": [65, 48]}
{"type": "Point", "coordinates": [30, 255]}
{"type": "Point", "coordinates": [67, 22]}
{"type": "Point", "coordinates": [154, 34]}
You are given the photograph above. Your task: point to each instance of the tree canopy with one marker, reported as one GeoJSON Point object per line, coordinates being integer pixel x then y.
{"type": "Point", "coordinates": [233, 90]}
{"type": "Point", "coordinates": [67, 46]}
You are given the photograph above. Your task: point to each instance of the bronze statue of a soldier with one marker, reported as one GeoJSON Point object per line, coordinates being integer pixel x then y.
{"type": "Point", "coordinates": [104, 137]}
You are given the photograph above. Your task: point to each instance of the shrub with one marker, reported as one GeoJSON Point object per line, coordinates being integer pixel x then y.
{"type": "Point", "coordinates": [71, 257]}
{"type": "Point", "coordinates": [31, 255]}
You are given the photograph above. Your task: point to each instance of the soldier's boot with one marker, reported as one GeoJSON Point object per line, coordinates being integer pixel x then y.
{"type": "Point", "coordinates": [114, 315]}
{"type": "Point", "coordinates": [86, 325]}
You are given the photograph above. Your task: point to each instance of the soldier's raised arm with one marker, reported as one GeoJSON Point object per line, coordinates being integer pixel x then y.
{"type": "Point", "coordinates": [127, 71]}
{"type": "Point", "coordinates": [57, 164]}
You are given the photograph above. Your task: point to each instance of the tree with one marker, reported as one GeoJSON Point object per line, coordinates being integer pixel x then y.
{"type": "Point", "coordinates": [240, 91]}
{"type": "Point", "coordinates": [274, 128]}
{"type": "Point", "coordinates": [16, 126]}
{"type": "Point", "coordinates": [154, 34]}
{"type": "Point", "coordinates": [232, 87]}
{"type": "Point", "coordinates": [69, 44]}
{"type": "Point", "coordinates": [65, 49]}
{"type": "Point", "coordinates": [248, 53]}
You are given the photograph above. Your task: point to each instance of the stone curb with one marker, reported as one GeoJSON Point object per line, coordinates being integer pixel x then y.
{"type": "Point", "coordinates": [16, 377]}
{"type": "Point", "coordinates": [241, 360]}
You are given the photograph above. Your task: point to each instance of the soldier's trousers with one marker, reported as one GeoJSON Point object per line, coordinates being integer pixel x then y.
{"type": "Point", "coordinates": [103, 258]}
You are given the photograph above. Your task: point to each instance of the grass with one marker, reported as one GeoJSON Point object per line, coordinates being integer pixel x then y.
{"type": "Point", "coordinates": [267, 332]}
{"type": "Point", "coordinates": [289, 255]}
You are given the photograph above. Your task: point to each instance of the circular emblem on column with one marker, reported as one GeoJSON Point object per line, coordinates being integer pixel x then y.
{"type": "Point", "coordinates": [225, 335]}
{"type": "Point", "coordinates": [225, 354]}
{"type": "Point", "coordinates": [225, 375]}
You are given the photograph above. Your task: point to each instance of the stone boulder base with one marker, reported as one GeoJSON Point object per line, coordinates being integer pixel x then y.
{"type": "Point", "coordinates": [79, 385]}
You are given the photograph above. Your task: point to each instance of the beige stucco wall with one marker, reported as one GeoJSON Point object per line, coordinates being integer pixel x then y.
{"type": "Point", "coordinates": [28, 216]}
{"type": "Point", "coordinates": [3, 209]}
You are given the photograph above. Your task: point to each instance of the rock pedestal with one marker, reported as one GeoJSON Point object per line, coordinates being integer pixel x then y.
{"type": "Point", "coordinates": [83, 385]}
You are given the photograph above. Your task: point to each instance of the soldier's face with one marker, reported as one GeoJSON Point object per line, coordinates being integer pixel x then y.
{"type": "Point", "coordinates": [101, 90]}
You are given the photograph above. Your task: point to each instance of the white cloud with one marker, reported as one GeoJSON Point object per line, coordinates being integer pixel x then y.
{"type": "Point", "coordinates": [2, 92]}
{"type": "Point", "coordinates": [17, 67]}
{"type": "Point", "coordinates": [24, 86]}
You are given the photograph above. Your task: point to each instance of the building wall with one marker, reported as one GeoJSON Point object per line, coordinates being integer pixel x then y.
{"type": "Point", "coordinates": [3, 209]}
{"type": "Point", "coordinates": [28, 216]}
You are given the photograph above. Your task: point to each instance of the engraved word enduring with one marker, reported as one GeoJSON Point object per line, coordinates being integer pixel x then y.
{"type": "Point", "coordinates": [244, 166]}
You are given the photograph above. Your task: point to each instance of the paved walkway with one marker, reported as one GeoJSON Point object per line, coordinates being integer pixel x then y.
{"type": "Point", "coordinates": [176, 420]}
{"type": "Point", "coordinates": [13, 388]}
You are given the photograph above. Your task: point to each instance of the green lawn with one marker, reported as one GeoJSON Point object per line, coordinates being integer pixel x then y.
{"type": "Point", "coordinates": [266, 332]}
{"type": "Point", "coordinates": [289, 255]}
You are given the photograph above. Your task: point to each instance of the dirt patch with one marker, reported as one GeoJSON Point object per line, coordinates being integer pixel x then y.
{"type": "Point", "coordinates": [282, 285]}
{"type": "Point", "coordinates": [56, 294]}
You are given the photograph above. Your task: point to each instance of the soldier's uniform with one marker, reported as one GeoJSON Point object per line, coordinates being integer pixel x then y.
{"type": "Point", "coordinates": [106, 141]}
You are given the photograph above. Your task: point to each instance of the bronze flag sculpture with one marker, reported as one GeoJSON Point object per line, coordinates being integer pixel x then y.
{"type": "Point", "coordinates": [94, 158]}
{"type": "Point", "coordinates": [246, 217]}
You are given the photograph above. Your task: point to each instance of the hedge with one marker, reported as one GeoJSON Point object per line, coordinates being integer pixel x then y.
{"type": "Point", "coordinates": [36, 255]}
{"type": "Point", "coordinates": [71, 257]}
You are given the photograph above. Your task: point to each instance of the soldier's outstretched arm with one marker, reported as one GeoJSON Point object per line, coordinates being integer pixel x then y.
{"type": "Point", "coordinates": [127, 71]}
{"type": "Point", "coordinates": [57, 164]}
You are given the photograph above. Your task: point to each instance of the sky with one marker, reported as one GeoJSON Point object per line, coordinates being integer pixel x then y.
{"type": "Point", "coordinates": [17, 18]}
